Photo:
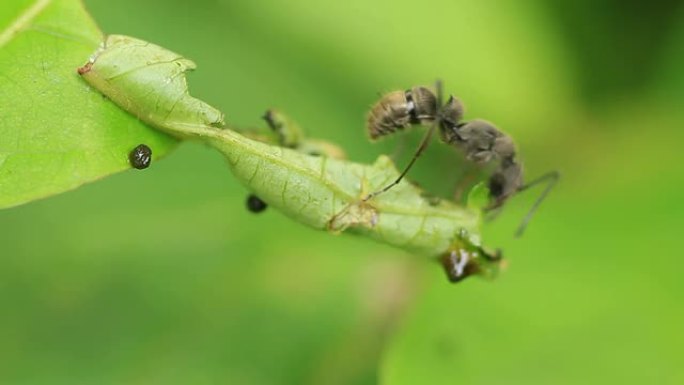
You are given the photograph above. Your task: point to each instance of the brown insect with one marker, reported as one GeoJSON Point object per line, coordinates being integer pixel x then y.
{"type": "Point", "coordinates": [481, 142]}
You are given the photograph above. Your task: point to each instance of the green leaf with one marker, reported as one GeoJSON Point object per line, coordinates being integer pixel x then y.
{"type": "Point", "coordinates": [56, 133]}
{"type": "Point", "coordinates": [321, 192]}
{"type": "Point", "coordinates": [148, 81]}
{"type": "Point", "coordinates": [328, 194]}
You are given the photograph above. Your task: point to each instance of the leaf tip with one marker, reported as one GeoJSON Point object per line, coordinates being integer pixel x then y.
{"type": "Point", "coordinates": [85, 69]}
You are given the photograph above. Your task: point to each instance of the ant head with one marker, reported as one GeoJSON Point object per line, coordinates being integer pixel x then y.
{"type": "Point", "coordinates": [505, 182]}
{"type": "Point", "coordinates": [496, 186]}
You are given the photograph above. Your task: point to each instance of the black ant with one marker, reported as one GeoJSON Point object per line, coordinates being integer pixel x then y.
{"type": "Point", "coordinates": [481, 141]}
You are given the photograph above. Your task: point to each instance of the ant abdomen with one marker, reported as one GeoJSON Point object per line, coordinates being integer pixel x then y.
{"type": "Point", "coordinates": [398, 110]}
{"type": "Point", "coordinates": [389, 114]}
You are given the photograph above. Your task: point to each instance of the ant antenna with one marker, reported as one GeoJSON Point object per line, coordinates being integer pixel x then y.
{"type": "Point", "coordinates": [423, 145]}
{"type": "Point", "coordinates": [551, 178]}
{"type": "Point", "coordinates": [440, 96]}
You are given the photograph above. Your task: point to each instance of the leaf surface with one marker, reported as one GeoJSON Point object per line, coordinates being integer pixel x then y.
{"type": "Point", "coordinates": [57, 133]}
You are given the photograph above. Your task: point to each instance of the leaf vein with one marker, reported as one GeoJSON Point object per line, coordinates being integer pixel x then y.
{"type": "Point", "coordinates": [23, 20]}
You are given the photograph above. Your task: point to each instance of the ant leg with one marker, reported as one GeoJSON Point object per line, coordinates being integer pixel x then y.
{"type": "Point", "coordinates": [551, 178]}
{"type": "Point", "coordinates": [492, 213]}
{"type": "Point", "coordinates": [438, 90]}
{"type": "Point", "coordinates": [423, 145]}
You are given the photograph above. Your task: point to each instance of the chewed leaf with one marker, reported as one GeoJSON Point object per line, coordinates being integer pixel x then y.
{"type": "Point", "coordinates": [319, 191]}
{"type": "Point", "coordinates": [353, 215]}
{"type": "Point", "coordinates": [327, 194]}
{"type": "Point", "coordinates": [149, 82]}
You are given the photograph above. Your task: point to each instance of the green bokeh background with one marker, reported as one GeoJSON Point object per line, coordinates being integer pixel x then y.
{"type": "Point", "coordinates": [163, 277]}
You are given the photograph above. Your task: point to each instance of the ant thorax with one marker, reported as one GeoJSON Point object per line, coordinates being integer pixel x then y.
{"type": "Point", "coordinates": [479, 140]}
{"type": "Point", "coordinates": [484, 145]}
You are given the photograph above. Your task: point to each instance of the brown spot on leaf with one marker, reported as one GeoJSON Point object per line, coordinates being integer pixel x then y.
{"type": "Point", "coordinates": [85, 69]}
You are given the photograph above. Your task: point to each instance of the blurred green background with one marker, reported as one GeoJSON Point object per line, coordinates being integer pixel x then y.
{"type": "Point", "coordinates": [163, 277]}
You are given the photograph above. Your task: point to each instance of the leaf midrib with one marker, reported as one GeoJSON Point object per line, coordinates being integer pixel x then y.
{"type": "Point", "coordinates": [23, 20]}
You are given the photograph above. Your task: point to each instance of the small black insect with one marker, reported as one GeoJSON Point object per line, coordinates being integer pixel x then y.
{"type": "Point", "coordinates": [140, 157]}
{"type": "Point", "coordinates": [254, 204]}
